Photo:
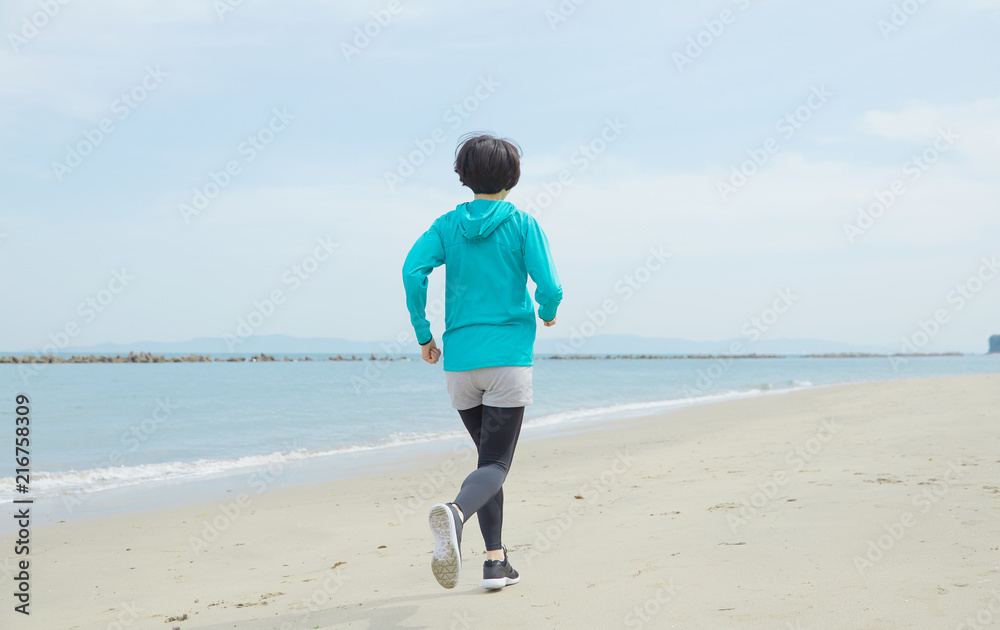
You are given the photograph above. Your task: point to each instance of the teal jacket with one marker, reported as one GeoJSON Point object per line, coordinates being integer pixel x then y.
{"type": "Point", "coordinates": [489, 249]}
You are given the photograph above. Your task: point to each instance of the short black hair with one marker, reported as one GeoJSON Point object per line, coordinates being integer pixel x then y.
{"type": "Point", "coordinates": [487, 164]}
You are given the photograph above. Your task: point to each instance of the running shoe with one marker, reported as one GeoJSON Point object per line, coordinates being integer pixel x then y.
{"type": "Point", "coordinates": [446, 525]}
{"type": "Point", "coordinates": [499, 573]}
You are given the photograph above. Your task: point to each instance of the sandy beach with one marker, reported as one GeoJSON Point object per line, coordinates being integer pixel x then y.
{"type": "Point", "coordinates": [848, 507]}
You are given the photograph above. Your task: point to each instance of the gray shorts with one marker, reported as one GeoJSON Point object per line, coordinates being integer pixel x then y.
{"type": "Point", "coordinates": [503, 386]}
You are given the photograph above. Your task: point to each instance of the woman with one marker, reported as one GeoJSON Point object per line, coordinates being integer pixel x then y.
{"type": "Point", "coordinates": [489, 249]}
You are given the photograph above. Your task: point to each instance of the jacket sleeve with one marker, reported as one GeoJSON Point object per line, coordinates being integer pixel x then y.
{"type": "Point", "coordinates": [542, 269]}
{"type": "Point", "coordinates": [426, 254]}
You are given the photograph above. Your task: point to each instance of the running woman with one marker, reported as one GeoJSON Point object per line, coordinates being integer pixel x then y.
{"type": "Point", "coordinates": [489, 249]}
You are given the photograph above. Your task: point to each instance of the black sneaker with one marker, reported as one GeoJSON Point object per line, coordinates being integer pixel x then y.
{"type": "Point", "coordinates": [499, 573]}
{"type": "Point", "coordinates": [446, 525]}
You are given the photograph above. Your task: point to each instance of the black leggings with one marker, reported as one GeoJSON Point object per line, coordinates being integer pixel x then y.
{"type": "Point", "coordinates": [495, 431]}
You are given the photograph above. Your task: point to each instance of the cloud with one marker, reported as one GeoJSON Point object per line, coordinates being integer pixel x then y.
{"type": "Point", "coordinates": [982, 5]}
{"type": "Point", "coordinates": [657, 185]}
{"type": "Point", "coordinates": [977, 123]}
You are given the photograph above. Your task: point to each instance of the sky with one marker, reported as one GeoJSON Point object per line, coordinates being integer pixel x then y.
{"type": "Point", "coordinates": [703, 170]}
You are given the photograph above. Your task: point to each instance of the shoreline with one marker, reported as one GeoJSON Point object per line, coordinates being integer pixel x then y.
{"type": "Point", "coordinates": [872, 505]}
{"type": "Point", "coordinates": [343, 462]}
{"type": "Point", "coordinates": [338, 463]}
{"type": "Point", "coordinates": [262, 357]}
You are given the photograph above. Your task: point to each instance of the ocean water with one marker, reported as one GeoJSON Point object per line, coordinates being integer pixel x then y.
{"type": "Point", "coordinates": [100, 427]}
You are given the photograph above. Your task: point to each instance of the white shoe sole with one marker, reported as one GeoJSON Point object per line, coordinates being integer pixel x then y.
{"type": "Point", "coordinates": [496, 583]}
{"type": "Point", "coordinates": [446, 564]}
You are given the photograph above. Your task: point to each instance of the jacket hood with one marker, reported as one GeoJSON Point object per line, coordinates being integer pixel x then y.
{"type": "Point", "coordinates": [480, 217]}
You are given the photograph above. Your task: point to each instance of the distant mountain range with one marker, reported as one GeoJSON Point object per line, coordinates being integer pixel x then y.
{"type": "Point", "coordinates": [597, 345]}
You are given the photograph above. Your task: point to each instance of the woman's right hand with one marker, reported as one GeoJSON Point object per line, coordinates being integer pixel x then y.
{"type": "Point", "coordinates": [429, 352]}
